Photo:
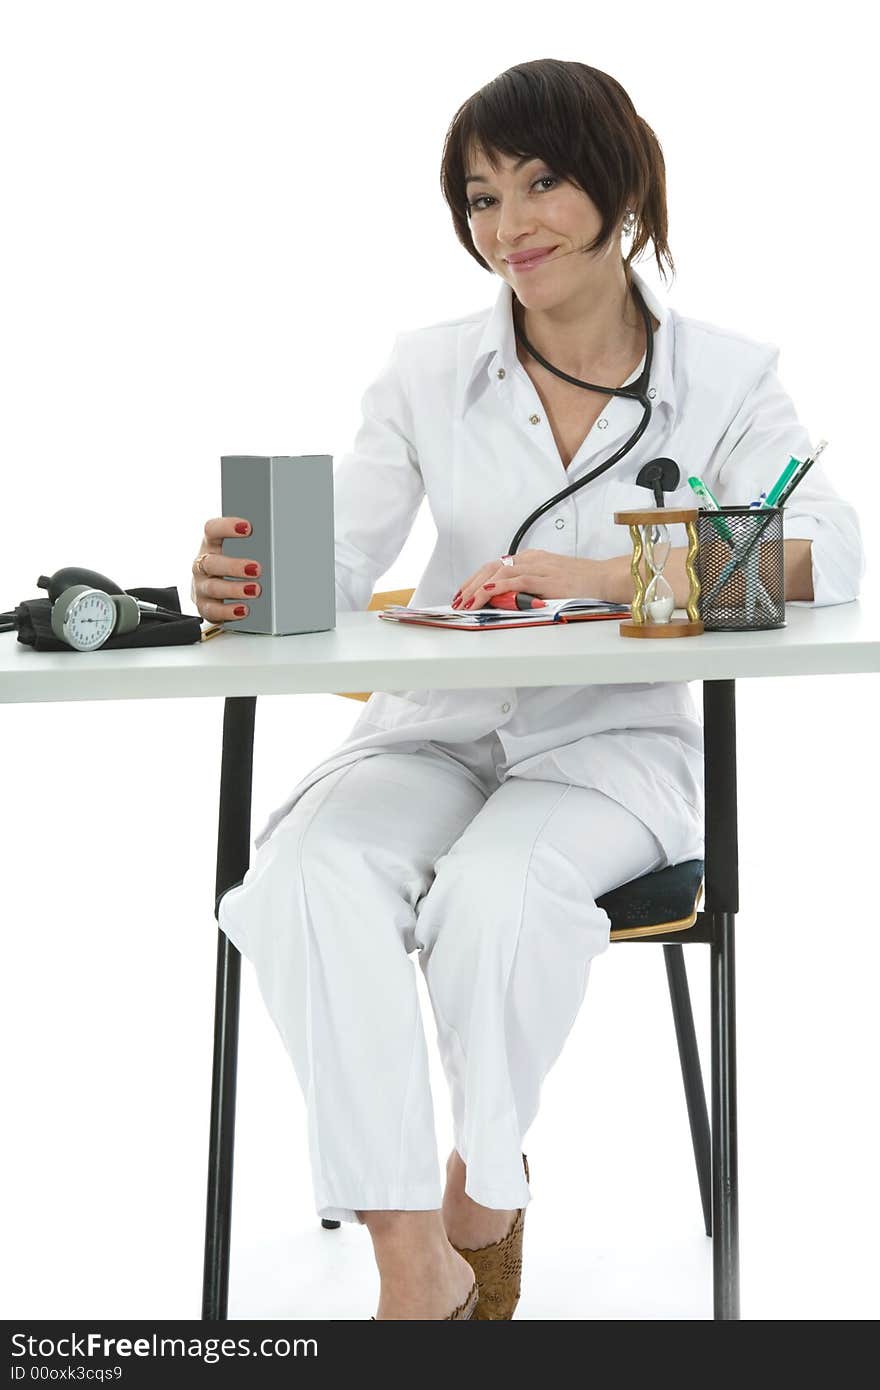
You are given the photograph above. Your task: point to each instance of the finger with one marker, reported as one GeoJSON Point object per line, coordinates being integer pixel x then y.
{"type": "Point", "coordinates": [524, 583]}
{"type": "Point", "coordinates": [213, 611]}
{"type": "Point", "coordinates": [219, 527]}
{"type": "Point", "coordinates": [213, 565]}
{"type": "Point", "coordinates": [226, 589]}
{"type": "Point", "coordinates": [478, 577]}
{"type": "Point", "coordinates": [498, 576]}
{"type": "Point", "coordinates": [473, 583]}
{"type": "Point", "coordinates": [505, 583]}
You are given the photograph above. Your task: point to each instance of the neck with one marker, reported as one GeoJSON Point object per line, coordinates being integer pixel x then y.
{"type": "Point", "coordinates": [599, 326]}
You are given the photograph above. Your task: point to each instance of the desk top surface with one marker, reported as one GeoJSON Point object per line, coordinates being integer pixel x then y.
{"type": "Point", "coordinates": [364, 652]}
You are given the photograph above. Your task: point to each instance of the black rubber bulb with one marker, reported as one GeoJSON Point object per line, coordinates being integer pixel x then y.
{"type": "Point", "coordinates": [63, 579]}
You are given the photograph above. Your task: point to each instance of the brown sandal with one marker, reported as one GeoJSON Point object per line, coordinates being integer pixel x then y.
{"type": "Point", "coordinates": [498, 1268]}
{"type": "Point", "coordinates": [464, 1310]}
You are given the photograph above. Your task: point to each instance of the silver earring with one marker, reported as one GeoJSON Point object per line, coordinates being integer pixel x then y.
{"type": "Point", "coordinates": [629, 222]}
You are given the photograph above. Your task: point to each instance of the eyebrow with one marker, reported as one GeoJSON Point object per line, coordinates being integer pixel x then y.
{"type": "Point", "coordinates": [481, 178]}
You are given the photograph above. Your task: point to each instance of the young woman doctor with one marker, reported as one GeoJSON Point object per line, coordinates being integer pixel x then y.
{"type": "Point", "coordinates": [478, 827]}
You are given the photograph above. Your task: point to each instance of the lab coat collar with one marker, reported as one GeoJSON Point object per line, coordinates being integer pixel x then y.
{"type": "Point", "coordinates": [496, 348]}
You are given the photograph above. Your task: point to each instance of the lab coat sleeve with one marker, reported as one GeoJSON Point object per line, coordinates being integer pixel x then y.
{"type": "Point", "coordinates": [377, 488]}
{"type": "Point", "coordinates": [764, 433]}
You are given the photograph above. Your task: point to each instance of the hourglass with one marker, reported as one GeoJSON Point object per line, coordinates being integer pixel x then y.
{"type": "Point", "coordinates": [653, 604]}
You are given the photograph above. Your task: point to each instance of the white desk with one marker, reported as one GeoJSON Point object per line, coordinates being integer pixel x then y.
{"type": "Point", "coordinates": [366, 653]}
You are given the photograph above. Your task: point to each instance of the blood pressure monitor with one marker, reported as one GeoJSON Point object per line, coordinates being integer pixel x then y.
{"type": "Point", "coordinates": [83, 617]}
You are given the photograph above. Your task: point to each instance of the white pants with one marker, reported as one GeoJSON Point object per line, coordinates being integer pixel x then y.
{"type": "Point", "coordinates": [494, 884]}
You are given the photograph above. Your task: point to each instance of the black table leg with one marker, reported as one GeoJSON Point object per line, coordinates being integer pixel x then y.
{"type": "Point", "coordinates": [233, 858]}
{"type": "Point", "coordinates": [721, 906]}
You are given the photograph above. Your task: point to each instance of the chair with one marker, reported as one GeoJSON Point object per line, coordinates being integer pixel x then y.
{"type": "Point", "coordinates": [660, 907]}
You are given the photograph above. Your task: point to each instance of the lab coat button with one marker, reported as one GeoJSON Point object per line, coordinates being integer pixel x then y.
{"type": "Point", "coordinates": [652, 393]}
{"type": "Point", "coordinates": [505, 707]}
{"type": "Point", "coordinates": [535, 419]}
{"type": "Point", "coordinates": [559, 523]}
{"type": "Point", "coordinates": [501, 373]}
{"type": "Point", "coordinates": [603, 424]}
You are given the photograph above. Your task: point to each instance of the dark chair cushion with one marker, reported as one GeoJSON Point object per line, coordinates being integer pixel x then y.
{"type": "Point", "coordinates": [668, 895]}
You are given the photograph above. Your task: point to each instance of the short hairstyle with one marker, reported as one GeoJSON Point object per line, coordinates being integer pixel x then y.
{"type": "Point", "coordinates": [583, 124]}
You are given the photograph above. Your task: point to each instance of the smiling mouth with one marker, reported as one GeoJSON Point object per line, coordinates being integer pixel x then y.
{"type": "Point", "coordinates": [530, 261]}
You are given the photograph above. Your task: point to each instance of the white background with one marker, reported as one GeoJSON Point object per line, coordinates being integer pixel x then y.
{"type": "Point", "coordinates": [217, 217]}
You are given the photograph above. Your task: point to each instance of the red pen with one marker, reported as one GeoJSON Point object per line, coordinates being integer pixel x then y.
{"type": "Point", "coordinates": [515, 601]}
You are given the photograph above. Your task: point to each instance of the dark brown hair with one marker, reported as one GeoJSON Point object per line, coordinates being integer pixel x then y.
{"type": "Point", "coordinates": [584, 125]}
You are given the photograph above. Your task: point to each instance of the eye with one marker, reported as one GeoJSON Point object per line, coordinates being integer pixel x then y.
{"type": "Point", "coordinates": [474, 206]}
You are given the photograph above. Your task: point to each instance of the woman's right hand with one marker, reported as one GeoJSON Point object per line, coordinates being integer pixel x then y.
{"type": "Point", "coordinates": [209, 590]}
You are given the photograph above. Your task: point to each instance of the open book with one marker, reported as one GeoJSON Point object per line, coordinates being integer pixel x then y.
{"type": "Point", "coordinates": [558, 610]}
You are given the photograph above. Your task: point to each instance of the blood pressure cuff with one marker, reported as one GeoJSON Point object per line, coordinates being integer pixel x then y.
{"type": "Point", "coordinates": [34, 621]}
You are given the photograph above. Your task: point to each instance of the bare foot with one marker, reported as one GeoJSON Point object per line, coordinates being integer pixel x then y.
{"type": "Point", "coordinates": [421, 1276]}
{"type": "Point", "coordinates": [468, 1225]}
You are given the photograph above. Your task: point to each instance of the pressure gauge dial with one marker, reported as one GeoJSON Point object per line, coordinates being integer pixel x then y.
{"type": "Point", "coordinates": [83, 617]}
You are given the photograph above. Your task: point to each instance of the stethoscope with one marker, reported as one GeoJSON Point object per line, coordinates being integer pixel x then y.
{"type": "Point", "coordinates": [661, 474]}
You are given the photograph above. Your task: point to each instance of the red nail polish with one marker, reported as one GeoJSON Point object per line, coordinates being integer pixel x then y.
{"type": "Point", "coordinates": [240, 611]}
{"type": "Point", "coordinates": [250, 589]}
{"type": "Point", "coordinates": [456, 601]}
{"type": "Point", "coordinates": [252, 569]}
{"type": "Point", "coordinates": [469, 602]}
{"type": "Point", "coordinates": [488, 586]}
{"type": "Point", "coordinates": [242, 528]}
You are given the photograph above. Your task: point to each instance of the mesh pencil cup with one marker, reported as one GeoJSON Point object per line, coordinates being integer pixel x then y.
{"type": "Point", "coordinates": [741, 568]}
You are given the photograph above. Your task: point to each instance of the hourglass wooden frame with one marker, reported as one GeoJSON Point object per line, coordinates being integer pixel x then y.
{"type": "Point", "coordinates": [638, 625]}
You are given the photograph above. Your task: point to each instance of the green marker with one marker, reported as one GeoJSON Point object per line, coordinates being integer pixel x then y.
{"type": "Point", "coordinates": [711, 505]}
{"type": "Point", "coordinates": [779, 486]}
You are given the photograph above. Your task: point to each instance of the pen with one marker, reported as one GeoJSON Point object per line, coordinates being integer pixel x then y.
{"type": "Point", "coordinates": [515, 601]}
{"type": "Point", "coordinates": [796, 478]}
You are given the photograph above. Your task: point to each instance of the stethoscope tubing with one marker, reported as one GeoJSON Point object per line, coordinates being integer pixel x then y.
{"type": "Point", "coordinates": [637, 392]}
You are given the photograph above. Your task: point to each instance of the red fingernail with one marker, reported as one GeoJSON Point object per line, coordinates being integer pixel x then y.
{"type": "Point", "coordinates": [242, 528]}
{"type": "Point", "coordinates": [469, 602]}
{"type": "Point", "coordinates": [250, 589]}
{"type": "Point", "coordinates": [240, 611]}
{"type": "Point", "coordinates": [456, 601]}
{"type": "Point", "coordinates": [252, 569]}
{"type": "Point", "coordinates": [488, 586]}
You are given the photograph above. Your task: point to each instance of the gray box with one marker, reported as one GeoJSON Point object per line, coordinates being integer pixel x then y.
{"type": "Point", "coordinates": [288, 499]}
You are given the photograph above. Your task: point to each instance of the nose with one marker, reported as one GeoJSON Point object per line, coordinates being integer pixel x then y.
{"type": "Point", "coordinates": [513, 231]}
{"type": "Point", "coordinates": [514, 226]}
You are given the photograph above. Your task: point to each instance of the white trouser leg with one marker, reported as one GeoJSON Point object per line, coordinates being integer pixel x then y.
{"type": "Point", "coordinates": [507, 931]}
{"type": "Point", "coordinates": [326, 913]}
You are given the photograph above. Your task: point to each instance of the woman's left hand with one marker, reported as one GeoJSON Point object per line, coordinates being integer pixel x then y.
{"type": "Point", "coordinates": [539, 572]}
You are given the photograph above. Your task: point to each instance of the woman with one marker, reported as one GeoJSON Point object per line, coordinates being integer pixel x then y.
{"type": "Point", "coordinates": [479, 827]}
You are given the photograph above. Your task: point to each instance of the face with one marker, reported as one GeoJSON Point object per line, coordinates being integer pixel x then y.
{"type": "Point", "coordinates": [530, 208]}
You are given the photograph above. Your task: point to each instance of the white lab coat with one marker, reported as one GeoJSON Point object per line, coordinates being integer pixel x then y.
{"type": "Point", "coordinates": [454, 416]}
{"type": "Point", "coordinates": [487, 846]}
